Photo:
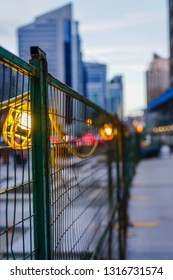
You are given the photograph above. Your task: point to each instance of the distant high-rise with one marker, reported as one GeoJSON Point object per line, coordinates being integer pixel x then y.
{"type": "Point", "coordinates": [95, 78]}
{"type": "Point", "coordinates": [8, 84]}
{"type": "Point", "coordinates": [57, 34]}
{"type": "Point", "coordinates": [114, 99]}
{"type": "Point", "coordinates": [78, 67]}
{"type": "Point", "coordinates": [157, 77]}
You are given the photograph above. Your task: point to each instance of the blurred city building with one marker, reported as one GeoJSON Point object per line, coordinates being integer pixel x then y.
{"type": "Point", "coordinates": [114, 96]}
{"type": "Point", "coordinates": [159, 94]}
{"type": "Point", "coordinates": [95, 79]}
{"type": "Point", "coordinates": [5, 84]}
{"type": "Point", "coordinates": [57, 34]}
{"type": "Point", "coordinates": [160, 116]}
{"type": "Point", "coordinates": [8, 85]}
{"type": "Point", "coordinates": [157, 77]}
{"type": "Point", "coordinates": [162, 108]}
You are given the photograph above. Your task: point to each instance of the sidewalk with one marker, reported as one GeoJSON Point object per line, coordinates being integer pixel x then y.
{"type": "Point", "coordinates": [151, 211]}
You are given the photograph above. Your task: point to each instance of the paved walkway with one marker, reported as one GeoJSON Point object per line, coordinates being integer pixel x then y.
{"type": "Point", "coordinates": [151, 211]}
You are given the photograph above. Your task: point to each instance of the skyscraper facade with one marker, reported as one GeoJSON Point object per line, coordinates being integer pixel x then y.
{"type": "Point", "coordinates": [78, 67]}
{"type": "Point", "coordinates": [57, 35]}
{"type": "Point", "coordinates": [157, 77]}
{"type": "Point", "coordinates": [114, 97]}
{"type": "Point", "coordinates": [95, 79]}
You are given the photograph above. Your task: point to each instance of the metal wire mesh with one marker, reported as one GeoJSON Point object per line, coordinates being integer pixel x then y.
{"type": "Point", "coordinates": [60, 195]}
{"type": "Point", "coordinates": [16, 210]}
{"type": "Point", "coordinates": [80, 202]}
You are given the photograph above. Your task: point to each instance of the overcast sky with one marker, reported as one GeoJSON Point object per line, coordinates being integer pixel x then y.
{"type": "Point", "coordinates": [124, 34]}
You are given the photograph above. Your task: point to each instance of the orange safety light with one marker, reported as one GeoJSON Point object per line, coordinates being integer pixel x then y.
{"type": "Point", "coordinates": [139, 129]}
{"type": "Point", "coordinates": [17, 126]}
{"type": "Point", "coordinates": [108, 132]}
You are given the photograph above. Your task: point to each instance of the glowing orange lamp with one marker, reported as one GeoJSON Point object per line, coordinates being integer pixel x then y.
{"type": "Point", "coordinates": [139, 128]}
{"type": "Point", "coordinates": [108, 132]}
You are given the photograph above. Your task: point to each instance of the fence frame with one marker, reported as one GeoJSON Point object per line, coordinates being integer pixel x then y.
{"type": "Point", "coordinates": [41, 155]}
{"type": "Point", "coordinates": [37, 70]}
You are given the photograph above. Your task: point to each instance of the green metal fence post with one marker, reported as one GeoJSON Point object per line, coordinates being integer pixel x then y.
{"type": "Point", "coordinates": [138, 149]}
{"type": "Point", "coordinates": [119, 191]}
{"type": "Point", "coordinates": [41, 155]}
{"type": "Point", "coordinates": [128, 167]}
{"type": "Point", "coordinates": [123, 193]}
{"type": "Point", "coordinates": [110, 151]}
{"type": "Point", "coordinates": [125, 186]}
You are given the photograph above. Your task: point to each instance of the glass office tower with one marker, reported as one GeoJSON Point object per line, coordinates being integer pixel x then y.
{"type": "Point", "coordinates": [114, 102]}
{"type": "Point", "coordinates": [56, 34]}
{"type": "Point", "coordinates": [95, 78]}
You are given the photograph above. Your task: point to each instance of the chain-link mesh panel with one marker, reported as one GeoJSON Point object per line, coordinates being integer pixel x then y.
{"type": "Point", "coordinates": [80, 195]}
{"type": "Point", "coordinates": [16, 211]}
{"type": "Point", "coordinates": [60, 186]}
